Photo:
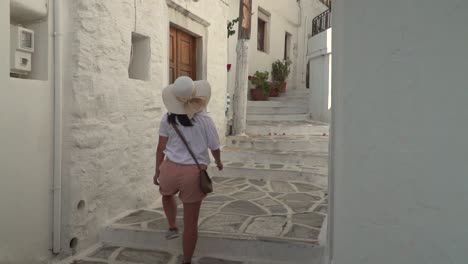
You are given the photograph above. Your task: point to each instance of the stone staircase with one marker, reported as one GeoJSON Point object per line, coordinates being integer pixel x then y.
{"type": "Point", "coordinates": [269, 206]}
{"type": "Point", "coordinates": [288, 107]}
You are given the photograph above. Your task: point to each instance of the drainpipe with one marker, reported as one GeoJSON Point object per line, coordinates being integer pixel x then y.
{"type": "Point", "coordinates": [57, 175]}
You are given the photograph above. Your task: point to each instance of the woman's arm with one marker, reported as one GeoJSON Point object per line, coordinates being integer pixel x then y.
{"type": "Point", "coordinates": [160, 156]}
{"type": "Point", "coordinates": [217, 156]}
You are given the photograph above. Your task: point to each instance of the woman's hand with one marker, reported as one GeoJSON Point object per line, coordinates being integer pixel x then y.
{"type": "Point", "coordinates": [155, 179]}
{"type": "Point", "coordinates": [220, 165]}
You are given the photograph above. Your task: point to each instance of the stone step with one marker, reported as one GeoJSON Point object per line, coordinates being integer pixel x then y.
{"type": "Point", "coordinates": [249, 221]}
{"type": "Point", "coordinates": [287, 128]}
{"type": "Point", "coordinates": [267, 104]}
{"type": "Point", "coordinates": [303, 158]}
{"type": "Point", "coordinates": [273, 171]}
{"type": "Point", "coordinates": [277, 110]}
{"type": "Point", "coordinates": [313, 144]}
{"type": "Point", "coordinates": [304, 94]}
{"type": "Point", "coordinates": [101, 254]}
{"type": "Point", "coordinates": [291, 92]}
{"type": "Point", "coordinates": [286, 98]}
{"type": "Point", "coordinates": [276, 117]}
{"type": "Point", "coordinates": [296, 91]}
{"type": "Point", "coordinates": [246, 250]}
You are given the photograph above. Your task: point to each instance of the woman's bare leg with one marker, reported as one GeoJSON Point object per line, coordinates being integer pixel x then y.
{"type": "Point", "coordinates": [191, 213]}
{"type": "Point", "coordinates": [170, 209]}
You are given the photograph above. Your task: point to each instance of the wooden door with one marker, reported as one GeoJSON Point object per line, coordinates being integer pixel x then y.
{"type": "Point", "coordinates": [182, 55]}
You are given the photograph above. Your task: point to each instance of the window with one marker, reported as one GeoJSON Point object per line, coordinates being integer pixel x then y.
{"type": "Point", "coordinates": [140, 58]}
{"type": "Point", "coordinates": [263, 30]}
{"type": "Point", "coordinates": [287, 45]}
{"type": "Point", "coordinates": [261, 35]}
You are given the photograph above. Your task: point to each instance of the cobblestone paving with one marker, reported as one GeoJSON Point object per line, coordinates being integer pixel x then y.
{"type": "Point", "coordinates": [250, 208]}
{"type": "Point", "coordinates": [116, 255]}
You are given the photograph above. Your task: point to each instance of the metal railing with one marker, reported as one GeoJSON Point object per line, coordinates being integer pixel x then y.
{"type": "Point", "coordinates": [326, 2]}
{"type": "Point", "coordinates": [322, 22]}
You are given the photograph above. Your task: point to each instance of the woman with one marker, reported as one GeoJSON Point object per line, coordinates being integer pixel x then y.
{"type": "Point", "coordinates": [176, 171]}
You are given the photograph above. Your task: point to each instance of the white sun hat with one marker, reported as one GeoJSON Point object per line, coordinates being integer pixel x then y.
{"type": "Point", "coordinates": [186, 97]}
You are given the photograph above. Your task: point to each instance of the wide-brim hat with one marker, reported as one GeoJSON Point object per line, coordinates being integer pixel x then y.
{"type": "Point", "coordinates": [187, 97]}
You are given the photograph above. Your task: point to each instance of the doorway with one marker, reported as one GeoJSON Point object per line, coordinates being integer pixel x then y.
{"type": "Point", "coordinates": [182, 55]}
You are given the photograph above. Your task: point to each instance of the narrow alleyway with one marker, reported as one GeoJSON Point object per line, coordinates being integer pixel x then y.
{"type": "Point", "coordinates": [269, 204]}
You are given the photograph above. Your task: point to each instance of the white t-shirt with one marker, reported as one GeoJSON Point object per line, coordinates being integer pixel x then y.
{"type": "Point", "coordinates": [201, 137]}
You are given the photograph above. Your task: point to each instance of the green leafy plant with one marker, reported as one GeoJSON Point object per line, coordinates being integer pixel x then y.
{"type": "Point", "coordinates": [280, 70]}
{"type": "Point", "coordinates": [260, 81]}
{"type": "Point", "coordinates": [230, 27]}
{"type": "Point", "coordinates": [275, 88]}
{"type": "Point", "coordinates": [275, 85]}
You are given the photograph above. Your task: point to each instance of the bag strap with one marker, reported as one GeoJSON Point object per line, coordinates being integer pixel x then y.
{"type": "Point", "coordinates": [187, 146]}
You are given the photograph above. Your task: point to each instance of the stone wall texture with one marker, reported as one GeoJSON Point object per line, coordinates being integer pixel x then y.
{"type": "Point", "coordinates": [112, 120]}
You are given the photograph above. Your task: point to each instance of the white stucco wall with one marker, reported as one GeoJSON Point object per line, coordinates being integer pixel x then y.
{"type": "Point", "coordinates": [285, 16]}
{"type": "Point", "coordinates": [28, 10]}
{"type": "Point", "coordinates": [320, 58]}
{"type": "Point", "coordinates": [26, 125]}
{"type": "Point", "coordinates": [399, 141]}
{"type": "Point", "coordinates": [111, 120]}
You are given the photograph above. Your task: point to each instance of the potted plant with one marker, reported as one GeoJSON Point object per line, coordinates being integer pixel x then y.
{"type": "Point", "coordinates": [280, 71]}
{"type": "Point", "coordinates": [262, 87]}
{"type": "Point", "coordinates": [275, 89]}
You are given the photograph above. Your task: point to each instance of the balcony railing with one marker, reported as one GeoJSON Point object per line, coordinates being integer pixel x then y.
{"type": "Point", "coordinates": [326, 2]}
{"type": "Point", "coordinates": [322, 22]}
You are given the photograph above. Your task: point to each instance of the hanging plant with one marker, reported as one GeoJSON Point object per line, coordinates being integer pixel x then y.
{"type": "Point", "coordinates": [230, 27]}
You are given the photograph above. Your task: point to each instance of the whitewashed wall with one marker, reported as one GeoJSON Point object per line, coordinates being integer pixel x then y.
{"type": "Point", "coordinates": [399, 141]}
{"type": "Point", "coordinates": [286, 16]}
{"type": "Point", "coordinates": [26, 138]}
{"type": "Point", "coordinates": [30, 9]}
{"type": "Point", "coordinates": [111, 120]}
{"type": "Point", "coordinates": [320, 58]}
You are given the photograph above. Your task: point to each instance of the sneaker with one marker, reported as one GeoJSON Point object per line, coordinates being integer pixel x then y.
{"type": "Point", "coordinates": [172, 233]}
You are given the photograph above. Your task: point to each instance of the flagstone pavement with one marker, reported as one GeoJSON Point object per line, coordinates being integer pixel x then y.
{"type": "Point", "coordinates": [116, 255]}
{"type": "Point", "coordinates": [244, 208]}
{"type": "Point", "coordinates": [250, 208]}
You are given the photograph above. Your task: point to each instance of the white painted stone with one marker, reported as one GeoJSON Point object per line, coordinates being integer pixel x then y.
{"type": "Point", "coordinates": [28, 10]}
{"type": "Point", "coordinates": [278, 117]}
{"type": "Point", "coordinates": [274, 104]}
{"type": "Point", "coordinates": [317, 176]}
{"type": "Point", "coordinates": [320, 56]}
{"type": "Point", "coordinates": [285, 128]}
{"type": "Point", "coordinates": [278, 110]}
{"type": "Point", "coordinates": [312, 144]}
{"type": "Point", "coordinates": [245, 249]}
{"type": "Point", "coordinates": [305, 158]}
{"type": "Point", "coordinates": [299, 100]}
{"type": "Point", "coordinates": [285, 16]}
{"type": "Point", "coordinates": [241, 88]}
{"type": "Point", "coordinates": [113, 120]}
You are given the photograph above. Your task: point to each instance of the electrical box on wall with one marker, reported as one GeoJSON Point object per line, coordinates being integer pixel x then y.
{"type": "Point", "coordinates": [22, 48]}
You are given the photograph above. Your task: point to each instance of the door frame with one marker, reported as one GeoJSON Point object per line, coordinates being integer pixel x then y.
{"type": "Point", "coordinates": [194, 67]}
{"type": "Point", "coordinates": [184, 20]}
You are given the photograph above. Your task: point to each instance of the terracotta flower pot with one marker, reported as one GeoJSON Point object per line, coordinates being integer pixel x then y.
{"type": "Point", "coordinates": [274, 92]}
{"type": "Point", "coordinates": [283, 87]}
{"type": "Point", "coordinates": [258, 95]}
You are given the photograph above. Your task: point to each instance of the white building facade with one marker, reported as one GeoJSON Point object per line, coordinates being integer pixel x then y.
{"type": "Point", "coordinates": [285, 26]}
{"type": "Point", "coordinates": [319, 57]}
{"type": "Point", "coordinates": [81, 127]}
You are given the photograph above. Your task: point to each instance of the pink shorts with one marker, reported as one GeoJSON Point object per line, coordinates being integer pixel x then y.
{"type": "Point", "coordinates": [179, 178]}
